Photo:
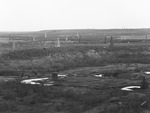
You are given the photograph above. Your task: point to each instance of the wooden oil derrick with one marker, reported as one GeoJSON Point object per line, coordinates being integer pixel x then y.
{"type": "Point", "coordinates": [45, 35]}
{"type": "Point", "coordinates": [33, 39]}
{"type": "Point", "coordinates": [111, 42]}
{"type": "Point", "coordinates": [146, 39]}
{"type": "Point", "coordinates": [14, 45]}
{"type": "Point", "coordinates": [66, 39]}
{"type": "Point", "coordinates": [79, 37]}
{"type": "Point", "coordinates": [58, 43]}
{"type": "Point", "coordinates": [105, 40]}
{"type": "Point", "coordinates": [54, 76]}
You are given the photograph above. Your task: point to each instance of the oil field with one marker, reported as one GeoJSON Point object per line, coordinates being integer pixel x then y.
{"type": "Point", "coordinates": [75, 71]}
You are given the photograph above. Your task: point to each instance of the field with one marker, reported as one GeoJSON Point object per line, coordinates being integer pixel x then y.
{"type": "Point", "coordinates": [95, 72]}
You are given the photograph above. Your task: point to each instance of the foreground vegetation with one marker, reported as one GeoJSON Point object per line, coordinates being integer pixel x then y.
{"type": "Point", "coordinates": [75, 94]}
{"type": "Point", "coordinates": [58, 59]}
{"type": "Point", "coordinates": [22, 98]}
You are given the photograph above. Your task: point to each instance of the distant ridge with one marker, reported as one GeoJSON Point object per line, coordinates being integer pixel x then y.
{"type": "Point", "coordinates": [74, 30]}
{"type": "Point", "coordinates": [137, 31]}
{"type": "Point", "coordinates": [58, 32]}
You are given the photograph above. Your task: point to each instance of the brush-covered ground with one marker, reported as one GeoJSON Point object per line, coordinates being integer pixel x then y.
{"type": "Point", "coordinates": [80, 91]}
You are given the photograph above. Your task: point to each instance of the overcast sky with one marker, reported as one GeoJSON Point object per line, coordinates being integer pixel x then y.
{"type": "Point", "coordinates": [26, 15]}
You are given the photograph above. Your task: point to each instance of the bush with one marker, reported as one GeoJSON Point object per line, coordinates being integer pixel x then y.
{"type": "Point", "coordinates": [69, 107]}
{"type": "Point", "coordinates": [71, 95]}
{"type": "Point", "coordinates": [8, 106]}
{"type": "Point", "coordinates": [8, 73]}
{"type": "Point", "coordinates": [9, 95]}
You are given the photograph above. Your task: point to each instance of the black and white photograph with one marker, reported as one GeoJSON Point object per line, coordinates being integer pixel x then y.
{"type": "Point", "coordinates": [74, 56]}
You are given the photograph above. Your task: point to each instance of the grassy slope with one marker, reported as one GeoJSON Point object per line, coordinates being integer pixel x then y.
{"type": "Point", "coordinates": [58, 59]}
{"type": "Point", "coordinates": [81, 93]}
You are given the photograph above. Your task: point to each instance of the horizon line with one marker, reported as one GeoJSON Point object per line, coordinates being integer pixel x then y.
{"type": "Point", "coordinates": [73, 29]}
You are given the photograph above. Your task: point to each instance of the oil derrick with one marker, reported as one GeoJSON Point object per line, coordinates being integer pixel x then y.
{"type": "Point", "coordinates": [14, 45]}
{"type": "Point", "coordinates": [45, 35]}
{"type": "Point", "coordinates": [66, 39]}
{"type": "Point", "coordinates": [146, 38]}
{"type": "Point", "coordinates": [33, 39]}
{"type": "Point", "coordinates": [111, 42]}
{"type": "Point", "coordinates": [105, 40]}
{"type": "Point", "coordinates": [79, 37]}
{"type": "Point", "coordinates": [9, 36]}
{"type": "Point", "coordinates": [58, 43]}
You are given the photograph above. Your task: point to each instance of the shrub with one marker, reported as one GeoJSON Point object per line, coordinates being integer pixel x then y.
{"type": "Point", "coordinates": [8, 106]}
{"type": "Point", "coordinates": [71, 95]}
{"type": "Point", "coordinates": [69, 107]}
{"type": "Point", "coordinates": [9, 95]}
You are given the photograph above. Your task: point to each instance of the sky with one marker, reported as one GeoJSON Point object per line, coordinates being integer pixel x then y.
{"type": "Point", "coordinates": [34, 15]}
